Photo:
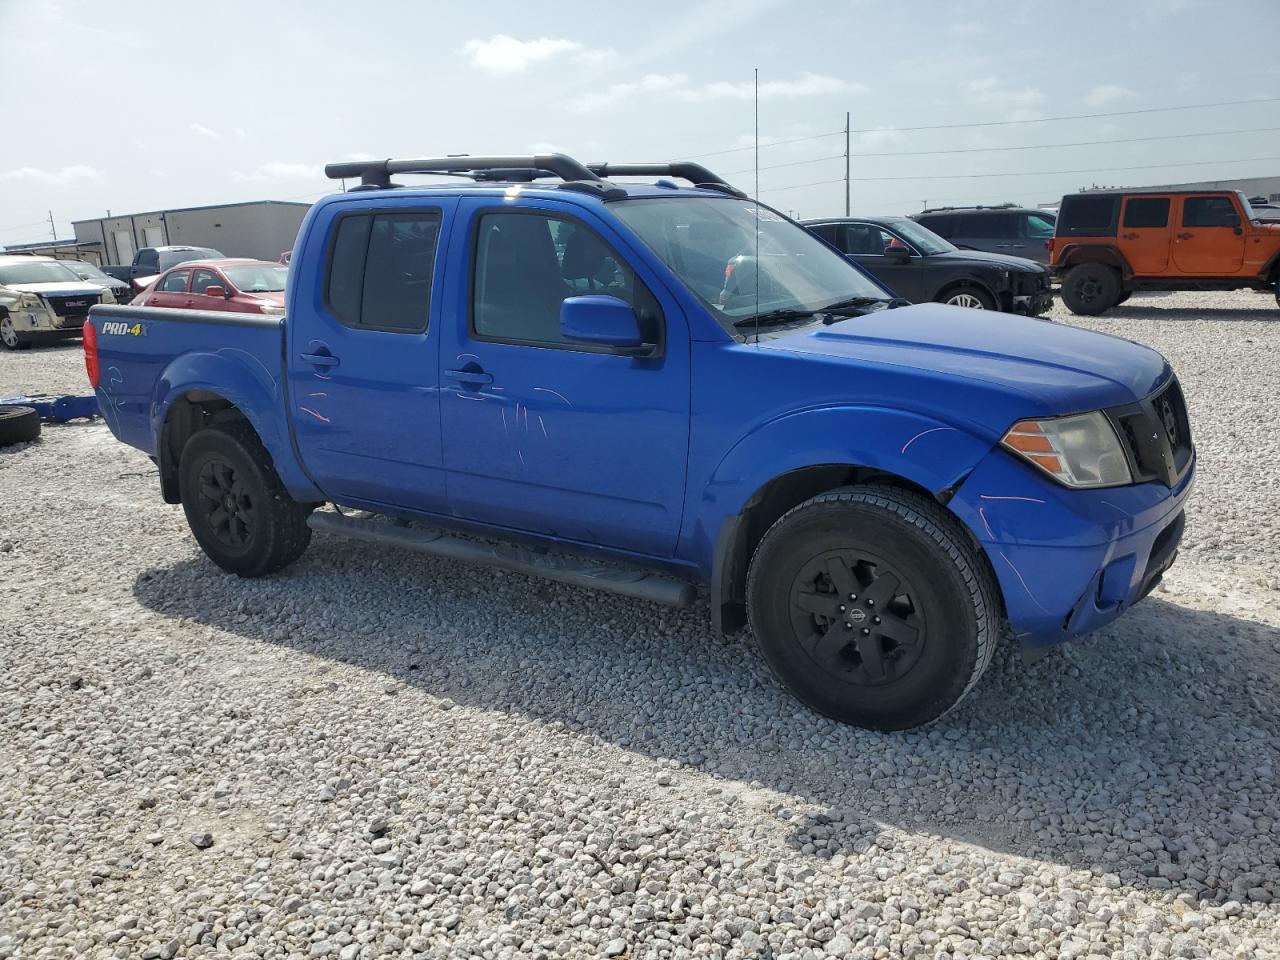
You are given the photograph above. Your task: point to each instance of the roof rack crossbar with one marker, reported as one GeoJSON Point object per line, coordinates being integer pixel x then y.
{"type": "Point", "coordinates": [377, 173]}
{"type": "Point", "coordinates": [693, 172]}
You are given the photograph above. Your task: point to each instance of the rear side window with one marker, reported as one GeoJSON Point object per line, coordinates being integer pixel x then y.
{"type": "Point", "coordinates": [988, 226]}
{"type": "Point", "coordinates": [829, 232]}
{"type": "Point", "coordinates": [943, 226]}
{"type": "Point", "coordinates": [1085, 216]}
{"type": "Point", "coordinates": [380, 270]}
{"type": "Point", "coordinates": [1209, 212]}
{"type": "Point", "coordinates": [1146, 212]}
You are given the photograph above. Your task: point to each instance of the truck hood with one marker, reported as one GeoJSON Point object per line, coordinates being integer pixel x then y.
{"type": "Point", "coordinates": [1040, 367]}
{"type": "Point", "coordinates": [59, 288]}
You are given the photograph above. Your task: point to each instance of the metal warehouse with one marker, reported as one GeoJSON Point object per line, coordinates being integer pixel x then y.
{"type": "Point", "coordinates": [262, 229]}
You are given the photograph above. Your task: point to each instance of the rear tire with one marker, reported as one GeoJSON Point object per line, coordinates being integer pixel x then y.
{"type": "Point", "coordinates": [974, 298]}
{"type": "Point", "coordinates": [873, 607]}
{"type": "Point", "coordinates": [236, 506]}
{"type": "Point", "coordinates": [18, 424]}
{"type": "Point", "coordinates": [1090, 289]}
{"type": "Point", "coordinates": [10, 339]}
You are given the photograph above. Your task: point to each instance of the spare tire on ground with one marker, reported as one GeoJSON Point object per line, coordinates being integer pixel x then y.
{"type": "Point", "coordinates": [18, 424]}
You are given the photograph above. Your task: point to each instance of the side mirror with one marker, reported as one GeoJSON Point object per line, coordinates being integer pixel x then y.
{"type": "Point", "coordinates": [216, 290]}
{"type": "Point", "coordinates": [897, 252]}
{"type": "Point", "coordinates": [603, 321]}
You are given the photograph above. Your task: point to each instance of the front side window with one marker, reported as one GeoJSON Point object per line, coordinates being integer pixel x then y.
{"type": "Point", "coordinates": [527, 264]}
{"type": "Point", "coordinates": [381, 269]}
{"type": "Point", "coordinates": [710, 244]}
{"type": "Point", "coordinates": [1146, 212]}
{"type": "Point", "coordinates": [866, 240]}
{"type": "Point", "coordinates": [202, 280]}
{"type": "Point", "coordinates": [1209, 212]}
{"type": "Point", "coordinates": [1039, 227]}
{"type": "Point", "coordinates": [175, 282]}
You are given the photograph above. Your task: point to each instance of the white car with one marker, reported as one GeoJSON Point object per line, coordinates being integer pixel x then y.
{"type": "Point", "coordinates": [43, 299]}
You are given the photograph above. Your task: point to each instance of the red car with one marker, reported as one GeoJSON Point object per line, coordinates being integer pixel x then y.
{"type": "Point", "coordinates": [240, 286]}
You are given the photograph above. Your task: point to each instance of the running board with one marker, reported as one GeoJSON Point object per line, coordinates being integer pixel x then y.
{"type": "Point", "coordinates": [551, 566]}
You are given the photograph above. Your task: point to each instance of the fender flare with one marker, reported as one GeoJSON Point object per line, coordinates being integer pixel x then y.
{"type": "Point", "coordinates": [922, 450]}
{"type": "Point", "coordinates": [241, 379]}
{"type": "Point", "coordinates": [1074, 254]}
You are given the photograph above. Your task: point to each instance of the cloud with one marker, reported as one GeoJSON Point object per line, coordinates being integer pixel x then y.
{"type": "Point", "coordinates": [677, 85]}
{"type": "Point", "coordinates": [502, 55]}
{"type": "Point", "coordinates": [277, 170]}
{"type": "Point", "coordinates": [1106, 94]}
{"type": "Point", "coordinates": [615, 94]}
{"type": "Point", "coordinates": [990, 90]}
{"type": "Point", "coordinates": [62, 177]}
{"type": "Point", "coordinates": [807, 85]}
{"type": "Point", "coordinates": [205, 131]}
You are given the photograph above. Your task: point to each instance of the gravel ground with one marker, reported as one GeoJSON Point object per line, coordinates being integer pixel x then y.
{"type": "Point", "coordinates": [377, 754]}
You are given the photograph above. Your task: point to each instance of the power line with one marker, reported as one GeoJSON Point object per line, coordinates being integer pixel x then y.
{"type": "Point", "coordinates": [1034, 146]}
{"type": "Point", "coordinates": [994, 123]}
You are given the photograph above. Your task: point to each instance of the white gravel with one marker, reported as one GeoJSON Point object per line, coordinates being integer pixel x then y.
{"type": "Point", "coordinates": [377, 754]}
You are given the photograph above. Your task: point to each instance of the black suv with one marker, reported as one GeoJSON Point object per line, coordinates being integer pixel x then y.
{"type": "Point", "coordinates": [1018, 231]}
{"type": "Point", "coordinates": [920, 266]}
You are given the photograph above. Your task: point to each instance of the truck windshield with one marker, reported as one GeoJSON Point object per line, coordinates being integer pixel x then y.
{"type": "Point", "coordinates": [258, 277]}
{"type": "Point", "coordinates": [171, 258]}
{"type": "Point", "coordinates": [710, 244]}
{"type": "Point", "coordinates": [38, 271]}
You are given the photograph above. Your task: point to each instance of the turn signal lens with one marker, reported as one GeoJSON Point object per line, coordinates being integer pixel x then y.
{"type": "Point", "coordinates": [1081, 450]}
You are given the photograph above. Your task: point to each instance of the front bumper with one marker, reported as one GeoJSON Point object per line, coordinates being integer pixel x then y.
{"type": "Point", "coordinates": [1069, 561]}
{"type": "Point", "coordinates": [1033, 305]}
{"type": "Point", "coordinates": [41, 321]}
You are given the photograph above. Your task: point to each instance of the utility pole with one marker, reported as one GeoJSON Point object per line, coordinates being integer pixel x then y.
{"type": "Point", "coordinates": [846, 164]}
{"type": "Point", "coordinates": [53, 231]}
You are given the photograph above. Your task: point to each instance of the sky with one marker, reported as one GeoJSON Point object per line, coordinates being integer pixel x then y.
{"type": "Point", "coordinates": [134, 105]}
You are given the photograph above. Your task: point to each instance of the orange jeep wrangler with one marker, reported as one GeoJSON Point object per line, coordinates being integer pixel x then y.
{"type": "Point", "coordinates": [1108, 244]}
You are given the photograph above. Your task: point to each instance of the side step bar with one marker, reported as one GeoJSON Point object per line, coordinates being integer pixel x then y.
{"type": "Point", "coordinates": [550, 566]}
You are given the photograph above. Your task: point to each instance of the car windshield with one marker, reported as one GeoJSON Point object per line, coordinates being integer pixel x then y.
{"type": "Point", "coordinates": [257, 277]}
{"type": "Point", "coordinates": [37, 271]}
{"type": "Point", "coordinates": [1246, 208]}
{"type": "Point", "coordinates": [922, 238]}
{"type": "Point", "coordinates": [171, 258]}
{"type": "Point", "coordinates": [710, 244]}
{"type": "Point", "coordinates": [86, 271]}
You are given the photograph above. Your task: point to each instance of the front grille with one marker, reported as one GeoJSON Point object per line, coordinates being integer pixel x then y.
{"type": "Point", "coordinates": [1157, 435]}
{"type": "Point", "coordinates": [76, 305]}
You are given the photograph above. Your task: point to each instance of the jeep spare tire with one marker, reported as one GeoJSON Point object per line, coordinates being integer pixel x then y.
{"type": "Point", "coordinates": [18, 424]}
{"type": "Point", "coordinates": [1091, 288]}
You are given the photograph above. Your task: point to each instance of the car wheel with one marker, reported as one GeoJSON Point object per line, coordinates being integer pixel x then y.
{"type": "Point", "coordinates": [9, 336]}
{"type": "Point", "coordinates": [873, 607]}
{"type": "Point", "coordinates": [1124, 296]}
{"type": "Point", "coordinates": [236, 506]}
{"type": "Point", "coordinates": [18, 424]}
{"type": "Point", "coordinates": [971, 297]}
{"type": "Point", "coordinates": [1090, 289]}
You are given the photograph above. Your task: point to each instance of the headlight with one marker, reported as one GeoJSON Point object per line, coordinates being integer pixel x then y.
{"type": "Point", "coordinates": [29, 300]}
{"type": "Point", "coordinates": [108, 296]}
{"type": "Point", "coordinates": [1079, 451]}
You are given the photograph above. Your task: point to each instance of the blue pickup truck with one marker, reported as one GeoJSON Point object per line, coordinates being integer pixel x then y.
{"type": "Point", "coordinates": [641, 387]}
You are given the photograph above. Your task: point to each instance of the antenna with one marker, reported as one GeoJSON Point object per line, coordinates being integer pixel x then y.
{"type": "Point", "coordinates": [756, 105]}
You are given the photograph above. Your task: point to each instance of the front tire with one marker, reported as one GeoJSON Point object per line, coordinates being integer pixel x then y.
{"type": "Point", "coordinates": [10, 339]}
{"type": "Point", "coordinates": [973, 298]}
{"type": "Point", "coordinates": [236, 506]}
{"type": "Point", "coordinates": [1090, 289]}
{"type": "Point", "coordinates": [873, 607]}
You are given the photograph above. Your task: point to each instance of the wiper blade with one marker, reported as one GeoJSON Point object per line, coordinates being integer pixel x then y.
{"type": "Point", "coordinates": [783, 315]}
{"type": "Point", "coordinates": [852, 303]}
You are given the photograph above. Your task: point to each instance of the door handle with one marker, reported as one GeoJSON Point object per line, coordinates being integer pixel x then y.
{"type": "Point", "coordinates": [1185, 236]}
{"type": "Point", "coordinates": [320, 359]}
{"type": "Point", "coordinates": [1129, 236]}
{"type": "Point", "coordinates": [469, 376]}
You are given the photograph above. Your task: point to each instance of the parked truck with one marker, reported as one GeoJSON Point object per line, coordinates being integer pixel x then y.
{"type": "Point", "coordinates": [544, 368]}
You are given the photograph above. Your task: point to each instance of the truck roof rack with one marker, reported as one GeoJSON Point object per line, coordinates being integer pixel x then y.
{"type": "Point", "coordinates": [590, 178]}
